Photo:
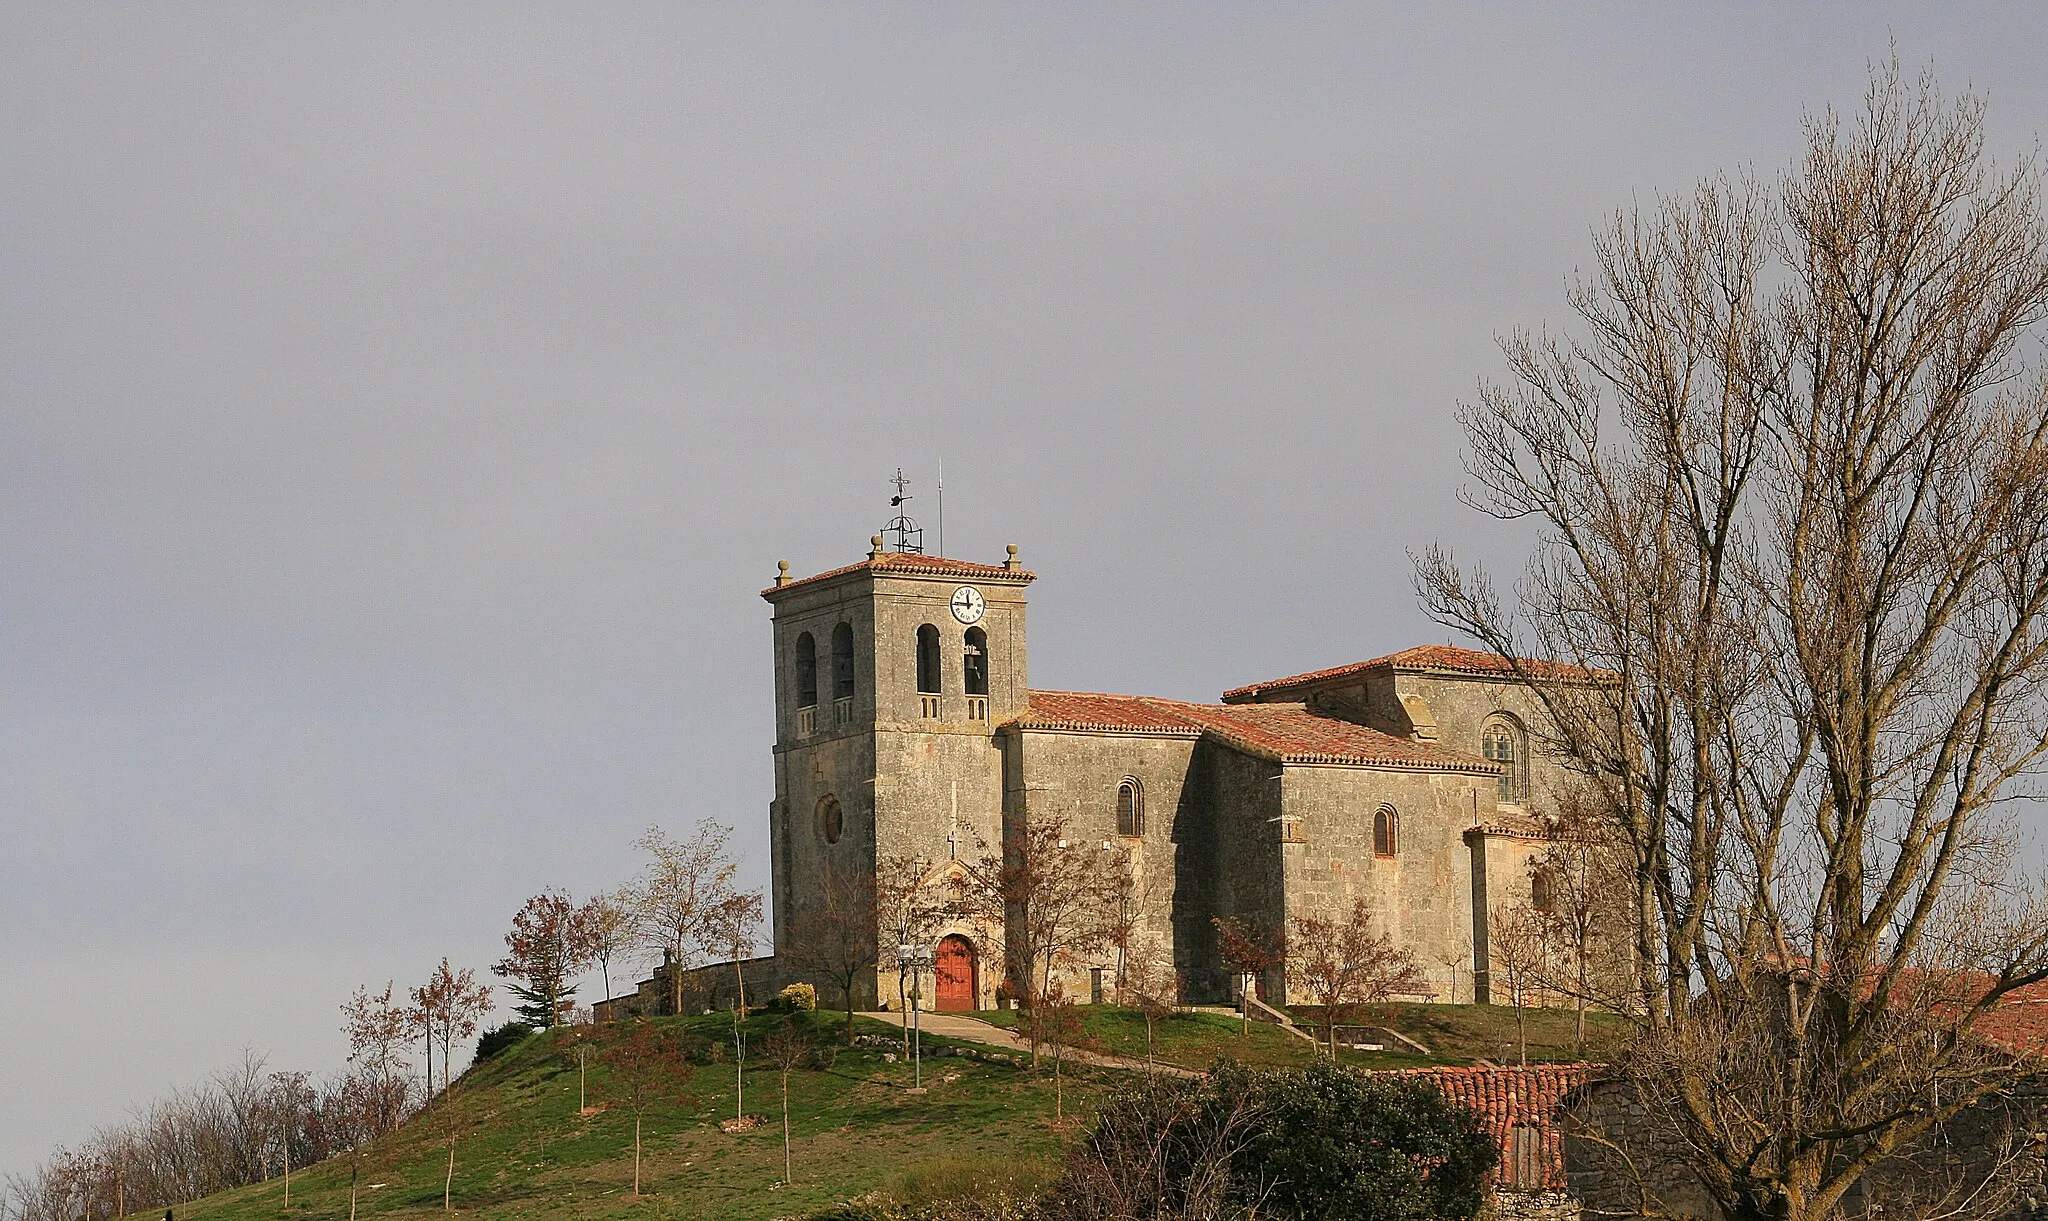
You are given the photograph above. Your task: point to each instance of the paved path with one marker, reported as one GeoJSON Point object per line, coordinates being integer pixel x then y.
{"type": "Point", "coordinates": [974, 1030]}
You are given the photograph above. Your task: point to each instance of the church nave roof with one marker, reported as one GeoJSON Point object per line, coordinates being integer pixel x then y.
{"type": "Point", "coordinates": [1284, 733]}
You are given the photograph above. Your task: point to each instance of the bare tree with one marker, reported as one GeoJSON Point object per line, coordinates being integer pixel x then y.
{"type": "Point", "coordinates": [683, 882]}
{"type": "Point", "coordinates": [1341, 963]}
{"type": "Point", "coordinates": [1055, 900]}
{"type": "Point", "coordinates": [1516, 947]}
{"type": "Point", "coordinates": [1579, 886]}
{"type": "Point", "coordinates": [1792, 480]}
{"type": "Point", "coordinates": [835, 935]}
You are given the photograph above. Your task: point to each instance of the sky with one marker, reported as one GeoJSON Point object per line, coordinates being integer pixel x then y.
{"type": "Point", "coordinates": [402, 406]}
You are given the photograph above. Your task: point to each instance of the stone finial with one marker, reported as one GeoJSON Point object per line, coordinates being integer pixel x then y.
{"type": "Point", "coordinates": [781, 573]}
{"type": "Point", "coordinates": [1012, 563]}
{"type": "Point", "coordinates": [875, 547]}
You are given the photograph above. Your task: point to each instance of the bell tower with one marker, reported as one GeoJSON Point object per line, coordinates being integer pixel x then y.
{"type": "Point", "coordinates": [891, 676]}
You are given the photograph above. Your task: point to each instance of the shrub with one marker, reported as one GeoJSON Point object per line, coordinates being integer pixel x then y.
{"type": "Point", "coordinates": [495, 1041]}
{"type": "Point", "coordinates": [1326, 1142]}
{"type": "Point", "coordinates": [796, 998]}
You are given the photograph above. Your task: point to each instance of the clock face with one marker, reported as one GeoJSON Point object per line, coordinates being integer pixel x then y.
{"type": "Point", "coordinates": [967, 604]}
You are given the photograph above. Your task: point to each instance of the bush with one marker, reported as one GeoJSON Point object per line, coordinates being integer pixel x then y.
{"type": "Point", "coordinates": [1325, 1142]}
{"type": "Point", "coordinates": [495, 1041]}
{"type": "Point", "coordinates": [796, 998]}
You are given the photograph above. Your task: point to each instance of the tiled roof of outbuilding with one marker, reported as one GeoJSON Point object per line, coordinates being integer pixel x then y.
{"type": "Point", "coordinates": [907, 564]}
{"type": "Point", "coordinates": [1285, 733]}
{"type": "Point", "coordinates": [1428, 658]}
{"type": "Point", "coordinates": [1509, 1097]}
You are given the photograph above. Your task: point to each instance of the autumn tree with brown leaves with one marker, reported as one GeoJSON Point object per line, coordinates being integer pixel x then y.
{"type": "Point", "coordinates": [1790, 472]}
{"type": "Point", "coordinates": [448, 1007]}
{"type": "Point", "coordinates": [612, 927]}
{"type": "Point", "coordinates": [1249, 950]}
{"type": "Point", "coordinates": [548, 947]}
{"type": "Point", "coordinates": [377, 1028]}
{"type": "Point", "coordinates": [1054, 898]}
{"type": "Point", "coordinates": [1341, 962]}
{"type": "Point", "coordinates": [645, 1064]}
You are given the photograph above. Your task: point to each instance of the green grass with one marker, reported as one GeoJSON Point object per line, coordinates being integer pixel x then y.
{"type": "Point", "coordinates": [523, 1150]}
{"type": "Point", "coordinates": [1454, 1034]}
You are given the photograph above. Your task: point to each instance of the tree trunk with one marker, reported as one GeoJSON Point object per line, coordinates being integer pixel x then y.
{"type": "Point", "coordinates": [448, 1183]}
{"type": "Point", "coordinates": [636, 1155]}
{"type": "Point", "coordinates": [351, 1189]}
{"type": "Point", "coordinates": [786, 1177]}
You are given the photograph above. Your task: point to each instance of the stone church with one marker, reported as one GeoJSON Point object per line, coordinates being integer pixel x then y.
{"type": "Point", "coordinates": [907, 726]}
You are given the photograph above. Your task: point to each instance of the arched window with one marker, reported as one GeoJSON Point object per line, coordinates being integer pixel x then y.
{"type": "Point", "coordinates": [928, 660]}
{"type": "Point", "coordinates": [1501, 741]}
{"type": "Point", "coordinates": [1386, 831]}
{"type": "Point", "coordinates": [842, 662]}
{"type": "Point", "coordinates": [975, 662]}
{"type": "Point", "coordinates": [1130, 808]}
{"type": "Point", "coordinates": [806, 671]}
{"type": "Point", "coordinates": [831, 821]}
{"type": "Point", "coordinates": [1540, 896]}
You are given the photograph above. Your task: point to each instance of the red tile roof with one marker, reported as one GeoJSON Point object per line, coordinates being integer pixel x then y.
{"type": "Point", "coordinates": [903, 563]}
{"type": "Point", "coordinates": [1285, 733]}
{"type": "Point", "coordinates": [1428, 659]}
{"type": "Point", "coordinates": [1509, 1097]}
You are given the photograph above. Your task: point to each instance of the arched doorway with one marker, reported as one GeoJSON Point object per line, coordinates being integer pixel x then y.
{"type": "Point", "coordinates": [954, 967]}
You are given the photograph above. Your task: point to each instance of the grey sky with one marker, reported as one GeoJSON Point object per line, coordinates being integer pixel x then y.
{"type": "Point", "coordinates": [400, 407]}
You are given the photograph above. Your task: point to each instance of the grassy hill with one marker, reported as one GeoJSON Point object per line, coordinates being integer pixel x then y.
{"type": "Point", "coordinates": [524, 1148]}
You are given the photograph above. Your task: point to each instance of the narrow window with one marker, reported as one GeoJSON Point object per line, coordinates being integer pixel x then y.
{"type": "Point", "coordinates": [1130, 808]}
{"type": "Point", "coordinates": [928, 660]}
{"type": "Point", "coordinates": [1386, 831]}
{"type": "Point", "coordinates": [1501, 741]}
{"type": "Point", "coordinates": [830, 820]}
{"type": "Point", "coordinates": [842, 662]}
{"type": "Point", "coordinates": [975, 660]}
{"type": "Point", "coordinates": [806, 671]}
{"type": "Point", "coordinates": [1540, 896]}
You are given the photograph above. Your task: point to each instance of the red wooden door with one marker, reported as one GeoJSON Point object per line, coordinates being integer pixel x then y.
{"type": "Point", "coordinates": [954, 966]}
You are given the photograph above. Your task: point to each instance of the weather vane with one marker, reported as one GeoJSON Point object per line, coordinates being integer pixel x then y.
{"type": "Point", "coordinates": [909, 536]}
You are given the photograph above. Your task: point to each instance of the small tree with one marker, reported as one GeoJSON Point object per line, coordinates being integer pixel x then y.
{"type": "Point", "coordinates": [610, 923]}
{"type": "Point", "coordinates": [683, 883]}
{"type": "Point", "coordinates": [910, 909]}
{"type": "Point", "coordinates": [1056, 901]}
{"type": "Point", "coordinates": [789, 1046]}
{"type": "Point", "coordinates": [834, 935]}
{"type": "Point", "coordinates": [549, 947]}
{"type": "Point", "coordinates": [376, 1029]}
{"type": "Point", "coordinates": [1059, 1027]}
{"type": "Point", "coordinates": [1515, 948]}
{"type": "Point", "coordinates": [287, 1098]}
{"type": "Point", "coordinates": [1582, 880]}
{"type": "Point", "coordinates": [730, 928]}
{"type": "Point", "coordinates": [1341, 963]}
{"type": "Point", "coordinates": [450, 1006]}
{"type": "Point", "coordinates": [1249, 950]}
{"type": "Point", "coordinates": [645, 1064]}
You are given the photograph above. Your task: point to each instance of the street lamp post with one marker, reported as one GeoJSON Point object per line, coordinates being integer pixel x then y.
{"type": "Point", "coordinates": [919, 959]}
